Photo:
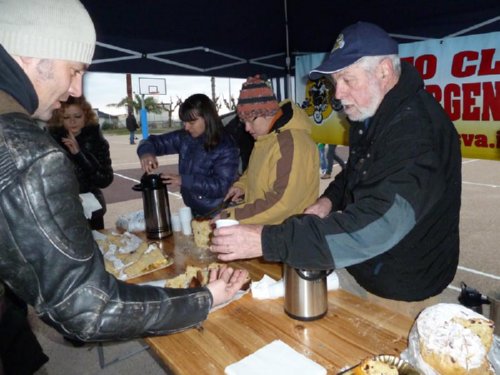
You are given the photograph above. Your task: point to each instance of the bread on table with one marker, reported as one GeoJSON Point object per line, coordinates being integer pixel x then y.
{"type": "Point", "coordinates": [193, 276]}
{"type": "Point", "coordinates": [372, 366]}
{"type": "Point", "coordinates": [450, 339]}
{"type": "Point", "coordinates": [127, 256]}
{"type": "Point", "coordinates": [202, 230]}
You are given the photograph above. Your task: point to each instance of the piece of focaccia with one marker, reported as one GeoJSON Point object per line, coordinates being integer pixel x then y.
{"type": "Point", "coordinates": [127, 256]}
{"type": "Point", "coordinates": [193, 277]}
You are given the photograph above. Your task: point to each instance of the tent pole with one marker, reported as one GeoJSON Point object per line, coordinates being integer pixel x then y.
{"type": "Point", "coordinates": [288, 85]}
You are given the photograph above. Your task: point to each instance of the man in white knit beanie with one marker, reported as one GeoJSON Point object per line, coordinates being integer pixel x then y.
{"type": "Point", "coordinates": [48, 258]}
{"type": "Point", "coordinates": [60, 31]}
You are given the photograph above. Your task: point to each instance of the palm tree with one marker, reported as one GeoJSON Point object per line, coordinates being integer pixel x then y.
{"type": "Point", "coordinates": [150, 104]}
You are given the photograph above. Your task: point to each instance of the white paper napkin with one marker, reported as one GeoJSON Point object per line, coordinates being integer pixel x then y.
{"type": "Point", "coordinates": [90, 204]}
{"type": "Point", "coordinates": [268, 288]}
{"type": "Point", "coordinates": [276, 358]}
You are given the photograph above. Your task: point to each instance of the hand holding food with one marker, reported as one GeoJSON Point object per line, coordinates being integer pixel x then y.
{"type": "Point", "coordinates": [225, 282]}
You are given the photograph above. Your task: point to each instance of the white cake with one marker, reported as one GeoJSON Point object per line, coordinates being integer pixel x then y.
{"type": "Point", "coordinates": [450, 339]}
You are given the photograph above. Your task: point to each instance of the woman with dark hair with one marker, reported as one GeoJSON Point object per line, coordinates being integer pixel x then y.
{"type": "Point", "coordinates": [76, 128]}
{"type": "Point", "coordinates": [208, 156]}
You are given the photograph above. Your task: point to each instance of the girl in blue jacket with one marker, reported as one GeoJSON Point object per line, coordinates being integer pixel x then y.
{"type": "Point", "coordinates": [208, 156]}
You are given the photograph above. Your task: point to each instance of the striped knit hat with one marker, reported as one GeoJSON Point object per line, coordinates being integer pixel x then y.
{"type": "Point", "coordinates": [256, 100]}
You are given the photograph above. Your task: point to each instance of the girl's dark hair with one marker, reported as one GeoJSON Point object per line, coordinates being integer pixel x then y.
{"type": "Point", "coordinates": [200, 105]}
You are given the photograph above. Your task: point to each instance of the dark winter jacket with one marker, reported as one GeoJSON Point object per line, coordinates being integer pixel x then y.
{"type": "Point", "coordinates": [131, 123]}
{"type": "Point", "coordinates": [206, 175]}
{"type": "Point", "coordinates": [48, 256]}
{"type": "Point", "coordinates": [395, 216]}
{"type": "Point", "coordinates": [92, 164]}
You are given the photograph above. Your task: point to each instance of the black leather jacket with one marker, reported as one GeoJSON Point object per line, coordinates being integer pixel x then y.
{"type": "Point", "coordinates": [49, 258]}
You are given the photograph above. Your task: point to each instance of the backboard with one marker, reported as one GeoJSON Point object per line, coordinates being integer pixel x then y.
{"type": "Point", "coordinates": [152, 86]}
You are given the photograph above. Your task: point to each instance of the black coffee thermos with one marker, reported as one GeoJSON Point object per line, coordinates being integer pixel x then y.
{"type": "Point", "coordinates": [156, 206]}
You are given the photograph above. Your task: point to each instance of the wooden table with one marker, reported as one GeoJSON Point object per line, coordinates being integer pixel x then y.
{"type": "Point", "coordinates": [352, 329]}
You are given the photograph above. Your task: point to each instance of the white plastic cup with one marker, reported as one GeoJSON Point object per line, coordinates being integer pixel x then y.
{"type": "Point", "coordinates": [185, 213]}
{"type": "Point", "coordinates": [186, 216]}
{"type": "Point", "coordinates": [186, 227]}
{"type": "Point", "coordinates": [225, 223]}
{"type": "Point", "coordinates": [176, 222]}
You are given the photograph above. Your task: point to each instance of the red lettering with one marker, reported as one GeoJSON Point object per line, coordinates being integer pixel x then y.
{"type": "Point", "coordinates": [478, 140]}
{"type": "Point", "coordinates": [481, 140]}
{"type": "Point", "coordinates": [470, 110]}
{"type": "Point", "coordinates": [452, 101]}
{"type": "Point", "coordinates": [486, 67]}
{"type": "Point", "coordinates": [426, 65]}
{"type": "Point", "coordinates": [467, 139]}
{"type": "Point", "coordinates": [491, 101]}
{"type": "Point", "coordinates": [458, 68]}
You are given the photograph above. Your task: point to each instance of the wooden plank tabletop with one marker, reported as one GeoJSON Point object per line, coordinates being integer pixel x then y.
{"type": "Point", "coordinates": [352, 329]}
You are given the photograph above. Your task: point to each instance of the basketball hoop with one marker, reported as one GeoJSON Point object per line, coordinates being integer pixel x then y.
{"type": "Point", "coordinates": [152, 86]}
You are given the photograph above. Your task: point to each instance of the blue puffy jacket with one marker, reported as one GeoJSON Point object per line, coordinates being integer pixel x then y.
{"type": "Point", "coordinates": [206, 175]}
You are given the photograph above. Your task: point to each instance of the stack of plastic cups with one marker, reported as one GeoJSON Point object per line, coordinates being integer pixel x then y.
{"type": "Point", "coordinates": [176, 222]}
{"type": "Point", "coordinates": [186, 216]}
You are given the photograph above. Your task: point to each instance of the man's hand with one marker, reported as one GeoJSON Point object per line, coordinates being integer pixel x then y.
{"type": "Point", "coordinates": [224, 283]}
{"type": "Point", "coordinates": [235, 193]}
{"type": "Point", "coordinates": [149, 163]}
{"type": "Point", "coordinates": [322, 207]}
{"type": "Point", "coordinates": [237, 242]}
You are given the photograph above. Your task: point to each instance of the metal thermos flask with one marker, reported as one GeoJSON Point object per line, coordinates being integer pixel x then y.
{"type": "Point", "coordinates": [306, 296]}
{"type": "Point", "coordinates": [156, 206]}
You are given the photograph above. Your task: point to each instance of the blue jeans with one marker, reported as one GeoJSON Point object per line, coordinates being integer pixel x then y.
{"type": "Point", "coordinates": [132, 138]}
{"type": "Point", "coordinates": [330, 156]}
{"type": "Point", "coordinates": [322, 159]}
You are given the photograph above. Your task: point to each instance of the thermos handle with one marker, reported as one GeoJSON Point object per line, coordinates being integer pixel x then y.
{"type": "Point", "coordinates": [137, 187]}
{"type": "Point", "coordinates": [313, 278]}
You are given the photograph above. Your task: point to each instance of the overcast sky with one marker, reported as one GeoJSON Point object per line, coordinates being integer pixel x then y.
{"type": "Point", "coordinates": [102, 89]}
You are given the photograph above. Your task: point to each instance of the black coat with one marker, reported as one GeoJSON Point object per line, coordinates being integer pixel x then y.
{"type": "Point", "coordinates": [131, 123]}
{"type": "Point", "coordinates": [92, 164]}
{"type": "Point", "coordinates": [396, 206]}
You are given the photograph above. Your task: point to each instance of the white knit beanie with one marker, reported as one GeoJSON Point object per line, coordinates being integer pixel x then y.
{"type": "Point", "coordinates": [47, 29]}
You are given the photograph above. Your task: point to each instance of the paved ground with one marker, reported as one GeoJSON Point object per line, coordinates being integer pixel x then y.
{"type": "Point", "coordinates": [479, 259]}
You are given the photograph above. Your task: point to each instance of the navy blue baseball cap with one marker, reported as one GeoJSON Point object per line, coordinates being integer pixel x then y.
{"type": "Point", "coordinates": [354, 42]}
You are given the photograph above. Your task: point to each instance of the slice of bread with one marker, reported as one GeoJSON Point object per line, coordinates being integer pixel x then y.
{"type": "Point", "coordinates": [202, 230]}
{"type": "Point", "coordinates": [371, 366]}
{"type": "Point", "coordinates": [192, 277]}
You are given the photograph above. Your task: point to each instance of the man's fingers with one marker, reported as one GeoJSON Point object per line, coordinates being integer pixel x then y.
{"type": "Point", "coordinates": [226, 257]}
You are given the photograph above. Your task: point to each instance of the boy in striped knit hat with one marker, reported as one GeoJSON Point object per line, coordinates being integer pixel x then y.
{"type": "Point", "coordinates": [282, 177]}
